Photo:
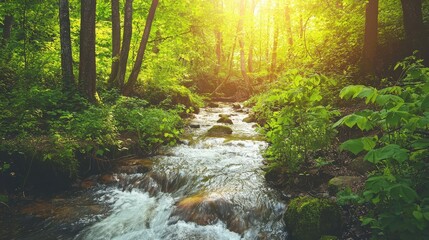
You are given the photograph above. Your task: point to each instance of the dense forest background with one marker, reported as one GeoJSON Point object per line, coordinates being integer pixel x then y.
{"type": "Point", "coordinates": [84, 82]}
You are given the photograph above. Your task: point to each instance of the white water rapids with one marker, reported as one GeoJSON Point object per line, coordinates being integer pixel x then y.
{"type": "Point", "coordinates": [205, 188]}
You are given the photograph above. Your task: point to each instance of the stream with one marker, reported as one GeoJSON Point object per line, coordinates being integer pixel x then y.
{"type": "Point", "coordinates": [204, 188]}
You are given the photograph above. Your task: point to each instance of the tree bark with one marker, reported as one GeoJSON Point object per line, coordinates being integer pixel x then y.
{"type": "Point", "coordinates": [126, 42]}
{"type": "Point", "coordinates": [116, 43]}
{"type": "Point", "coordinates": [370, 38]}
{"type": "Point", "coordinates": [128, 88]}
{"type": "Point", "coordinates": [288, 25]}
{"type": "Point", "coordinates": [414, 27]}
{"type": "Point", "coordinates": [66, 49]}
{"type": "Point", "coordinates": [250, 57]}
{"type": "Point", "coordinates": [87, 67]}
{"type": "Point", "coordinates": [7, 28]}
{"type": "Point", "coordinates": [247, 90]}
{"type": "Point", "coordinates": [219, 41]}
{"type": "Point", "coordinates": [274, 53]}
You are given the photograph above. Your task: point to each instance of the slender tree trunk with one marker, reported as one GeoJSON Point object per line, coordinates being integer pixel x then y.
{"type": "Point", "coordinates": [116, 43]}
{"type": "Point", "coordinates": [87, 67]}
{"type": "Point", "coordinates": [288, 25]}
{"type": "Point", "coordinates": [7, 28]}
{"type": "Point", "coordinates": [371, 37]}
{"type": "Point", "coordinates": [250, 57]}
{"type": "Point", "coordinates": [274, 53]}
{"type": "Point", "coordinates": [66, 49]}
{"type": "Point", "coordinates": [126, 42]}
{"type": "Point", "coordinates": [414, 27]}
{"type": "Point", "coordinates": [128, 88]}
{"type": "Point", "coordinates": [219, 41]}
{"type": "Point", "coordinates": [240, 29]}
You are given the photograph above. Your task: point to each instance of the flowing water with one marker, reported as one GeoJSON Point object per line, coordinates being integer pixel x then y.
{"type": "Point", "coordinates": [205, 188]}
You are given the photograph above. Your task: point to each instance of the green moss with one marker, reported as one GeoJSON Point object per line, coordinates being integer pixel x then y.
{"type": "Point", "coordinates": [309, 218]}
{"type": "Point", "coordinates": [219, 130]}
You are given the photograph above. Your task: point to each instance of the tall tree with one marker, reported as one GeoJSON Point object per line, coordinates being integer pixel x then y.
{"type": "Point", "coordinates": [288, 24]}
{"type": "Point", "coordinates": [274, 53]}
{"type": "Point", "coordinates": [414, 27]}
{"type": "Point", "coordinates": [252, 39]}
{"type": "Point", "coordinates": [128, 88]}
{"type": "Point", "coordinates": [87, 67]}
{"type": "Point", "coordinates": [7, 28]}
{"type": "Point", "coordinates": [66, 49]}
{"type": "Point", "coordinates": [116, 43]}
{"type": "Point", "coordinates": [219, 39]}
{"type": "Point", "coordinates": [240, 31]}
{"type": "Point", "coordinates": [126, 42]}
{"type": "Point", "coordinates": [370, 38]}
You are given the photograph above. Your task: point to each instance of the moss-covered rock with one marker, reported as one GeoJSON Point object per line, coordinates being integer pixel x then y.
{"type": "Point", "coordinates": [328, 237]}
{"type": "Point", "coordinates": [341, 182]}
{"type": "Point", "coordinates": [309, 218]}
{"type": "Point", "coordinates": [219, 130]}
{"type": "Point", "coordinates": [212, 105]}
{"type": "Point", "coordinates": [224, 119]}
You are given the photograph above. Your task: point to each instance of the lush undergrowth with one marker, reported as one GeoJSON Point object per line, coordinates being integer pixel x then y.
{"type": "Point", "coordinates": [46, 132]}
{"type": "Point", "coordinates": [298, 113]}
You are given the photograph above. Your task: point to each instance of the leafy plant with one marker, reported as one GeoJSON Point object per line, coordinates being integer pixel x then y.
{"type": "Point", "coordinates": [398, 190]}
{"type": "Point", "coordinates": [300, 124]}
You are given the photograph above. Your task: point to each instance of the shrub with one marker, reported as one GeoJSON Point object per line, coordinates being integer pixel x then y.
{"type": "Point", "coordinates": [399, 191]}
{"type": "Point", "coordinates": [297, 123]}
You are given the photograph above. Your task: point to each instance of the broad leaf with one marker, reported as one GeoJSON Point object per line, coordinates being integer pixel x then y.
{"type": "Point", "coordinates": [391, 151]}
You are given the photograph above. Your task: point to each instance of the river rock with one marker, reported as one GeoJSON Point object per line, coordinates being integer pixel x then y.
{"type": "Point", "coordinates": [225, 120]}
{"type": "Point", "coordinates": [219, 130]}
{"type": "Point", "coordinates": [212, 105]}
{"type": "Point", "coordinates": [249, 119]}
{"type": "Point", "coordinates": [204, 209]}
{"type": "Point", "coordinates": [236, 106]}
{"type": "Point", "coordinates": [341, 182]}
{"type": "Point", "coordinates": [309, 218]}
{"type": "Point", "coordinates": [132, 166]}
{"type": "Point", "coordinates": [194, 125]}
{"type": "Point", "coordinates": [223, 115]}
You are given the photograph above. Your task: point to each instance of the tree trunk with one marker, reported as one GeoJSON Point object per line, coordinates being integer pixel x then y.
{"type": "Point", "coordinates": [219, 41]}
{"type": "Point", "coordinates": [414, 27]}
{"type": "Point", "coordinates": [116, 43]}
{"type": "Point", "coordinates": [371, 36]}
{"type": "Point", "coordinates": [247, 90]}
{"type": "Point", "coordinates": [250, 57]}
{"type": "Point", "coordinates": [87, 67]}
{"type": "Point", "coordinates": [126, 42]}
{"type": "Point", "coordinates": [128, 88]}
{"type": "Point", "coordinates": [7, 28]}
{"type": "Point", "coordinates": [274, 53]}
{"type": "Point", "coordinates": [288, 25]}
{"type": "Point", "coordinates": [66, 49]}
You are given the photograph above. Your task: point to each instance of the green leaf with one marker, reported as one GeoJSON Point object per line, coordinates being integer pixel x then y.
{"type": "Point", "coordinates": [418, 215]}
{"type": "Point", "coordinates": [391, 151]}
{"type": "Point", "coordinates": [425, 103]}
{"type": "Point", "coordinates": [358, 145]}
{"type": "Point", "coordinates": [404, 192]}
{"type": "Point", "coordinates": [351, 91]}
{"type": "Point", "coordinates": [353, 145]}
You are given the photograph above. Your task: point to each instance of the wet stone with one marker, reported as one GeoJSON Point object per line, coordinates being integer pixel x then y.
{"type": "Point", "coordinates": [219, 130]}
{"type": "Point", "coordinates": [225, 120]}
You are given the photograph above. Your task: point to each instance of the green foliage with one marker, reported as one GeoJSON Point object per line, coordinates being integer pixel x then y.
{"type": "Point", "coordinates": [398, 191]}
{"type": "Point", "coordinates": [152, 127]}
{"type": "Point", "coordinates": [294, 110]}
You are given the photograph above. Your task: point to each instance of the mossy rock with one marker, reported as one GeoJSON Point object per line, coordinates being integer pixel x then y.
{"type": "Point", "coordinates": [223, 115]}
{"type": "Point", "coordinates": [224, 119]}
{"type": "Point", "coordinates": [361, 166]}
{"type": "Point", "coordinates": [236, 106]}
{"type": "Point", "coordinates": [339, 183]}
{"type": "Point", "coordinates": [219, 130]}
{"type": "Point", "coordinates": [249, 119]}
{"type": "Point", "coordinates": [309, 218]}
